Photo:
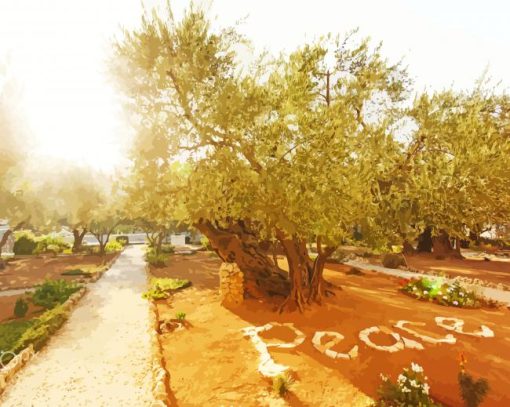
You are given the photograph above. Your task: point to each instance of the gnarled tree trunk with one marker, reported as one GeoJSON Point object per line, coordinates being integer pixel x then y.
{"type": "Point", "coordinates": [236, 244]}
{"type": "Point", "coordinates": [425, 241]}
{"type": "Point", "coordinates": [78, 239]}
{"type": "Point", "coordinates": [317, 282]}
{"type": "Point", "coordinates": [442, 246]}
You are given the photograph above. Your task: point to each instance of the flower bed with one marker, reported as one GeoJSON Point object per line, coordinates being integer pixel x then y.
{"type": "Point", "coordinates": [444, 293]}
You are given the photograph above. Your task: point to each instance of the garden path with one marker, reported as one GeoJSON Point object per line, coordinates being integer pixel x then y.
{"type": "Point", "coordinates": [101, 357]}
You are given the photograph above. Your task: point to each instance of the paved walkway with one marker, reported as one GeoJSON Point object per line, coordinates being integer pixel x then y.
{"type": "Point", "coordinates": [492, 293]}
{"type": "Point", "coordinates": [101, 357]}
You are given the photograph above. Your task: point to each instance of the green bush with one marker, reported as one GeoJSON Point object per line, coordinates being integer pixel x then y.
{"type": "Point", "coordinates": [393, 260]}
{"type": "Point", "coordinates": [53, 292]}
{"type": "Point", "coordinates": [167, 248]}
{"type": "Point", "coordinates": [10, 332]}
{"type": "Point", "coordinates": [113, 246]}
{"type": "Point", "coordinates": [442, 293]}
{"type": "Point", "coordinates": [156, 260]}
{"type": "Point", "coordinates": [160, 288]}
{"type": "Point", "coordinates": [76, 272]}
{"type": "Point", "coordinates": [204, 241]}
{"type": "Point", "coordinates": [411, 389]}
{"type": "Point", "coordinates": [51, 244]}
{"type": "Point", "coordinates": [25, 242]}
{"type": "Point", "coordinates": [20, 308]}
{"type": "Point", "coordinates": [282, 384]}
{"type": "Point", "coordinates": [123, 240]}
{"type": "Point", "coordinates": [180, 316]}
{"type": "Point", "coordinates": [41, 330]}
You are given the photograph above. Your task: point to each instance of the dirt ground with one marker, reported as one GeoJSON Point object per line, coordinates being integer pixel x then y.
{"type": "Point", "coordinates": [212, 364]}
{"type": "Point", "coordinates": [495, 271]}
{"type": "Point", "coordinates": [7, 308]}
{"type": "Point", "coordinates": [29, 271]}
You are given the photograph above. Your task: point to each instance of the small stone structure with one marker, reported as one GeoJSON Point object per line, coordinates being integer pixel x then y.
{"type": "Point", "coordinates": [231, 284]}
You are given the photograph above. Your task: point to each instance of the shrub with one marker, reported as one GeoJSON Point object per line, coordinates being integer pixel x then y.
{"type": "Point", "coordinates": [113, 246]}
{"type": "Point", "coordinates": [51, 244]}
{"type": "Point", "coordinates": [411, 389]}
{"type": "Point", "coordinates": [180, 316]}
{"type": "Point", "coordinates": [156, 260]}
{"type": "Point", "coordinates": [167, 248]}
{"type": "Point", "coordinates": [282, 384]}
{"type": "Point", "coordinates": [160, 288]}
{"type": "Point", "coordinates": [204, 241]}
{"type": "Point", "coordinates": [20, 308]}
{"type": "Point", "coordinates": [354, 271]}
{"type": "Point", "coordinates": [393, 260]}
{"type": "Point", "coordinates": [76, 272]}
{"type": "Point", "coordinates": [441, 293]}
{"type": "Point", "coordinates": [10, 332]}
{"type": "Point", "coordinates": [25, 242]}
{"type": "Point", "coordinates": [42, 328]}
{"type": "Point", "coordinates": [53, 292]}
{"type": "Point", "coordinates": [123, 240]}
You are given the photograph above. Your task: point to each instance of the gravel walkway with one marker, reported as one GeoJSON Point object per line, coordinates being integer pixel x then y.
{"type": "Point", "coordinates": [101, 357]}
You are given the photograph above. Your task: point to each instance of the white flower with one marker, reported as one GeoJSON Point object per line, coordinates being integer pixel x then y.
{"type": "Point", "coordinates": [455, 303]}
{"type": "Point", "coordinates": [401, 378]}
{"type": "Point", "coordinates": [413, 383]}
{"type": "Point", "coordinates": [425, 292]}
{"type": "Point", "coordinates": [461, 294]}
{"type": "Point", "coordinates": [384, 378]}
{"type": "Point", "coordinates": [426, 388]}
{"type": "Point", "coordinates": [416, 367]}
{"type": "Point", "coordinates": [405, 390]}
{"type": "Point", "coordinates": [445, 297]}
{"type": "Point", "coordinates": [414, 288]}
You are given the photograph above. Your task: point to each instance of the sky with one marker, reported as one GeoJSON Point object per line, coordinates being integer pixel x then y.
{"type": "Point", "coordinates": [58, 52]}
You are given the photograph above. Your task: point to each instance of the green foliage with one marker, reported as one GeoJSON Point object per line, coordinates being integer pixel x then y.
{"type": "Point", "coordinates": [41, 329]}
{"type": "Point", "coordinates": [160, 288]}
{"type": "Point", "coordinates": [472, 391]}
{"type": "Point", "coordinates": [180, 316]}
{"type": "Point", "coordinates": [76, 272]}
{"type": "Point", "coordinates": [411, 389]}
{"type": "Point", "coordinates": [204, 241]}
{"type": "Point", "coordinates": [123, 240]}
{"type": "Point", "coordinates": [25, 242]}
{"type": "Point", "coordinates": [113, 246]}
{"type": "Point", "coordinates": [20, 308]}
{"type": "Point", "coordinates": [156, 260]}
{"type": "Point", "coordinates": [53, 292]}
{"type": "Point", "coordinates": [10, 332]}
{"type": "Point", "coordinates": [393, 260]}
{"type": "Point", "coordinates": [282, 384]}
{"type": "Point", "coordinates": [51, 244]}
{"type": "Point", "coordinates": [167, 248]}
{"type": "Point", "coordinates": [442, 293]}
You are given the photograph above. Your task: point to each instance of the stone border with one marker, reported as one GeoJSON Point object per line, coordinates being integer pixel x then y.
{"type": "Point", "coordinates": [449, 338]}
{"type": "Point", "coordinates": [326, 348]}
{"type": "Point", "coordinates": [458, 326]}
{"type": "Point", "coordinates": [400, 342]}
{"type": "Point", "coordinates": [267, 366]}
{"type": "Point", "coordinates": [8, 372]}
{"type": "Point", "coordinates": [160, 377]}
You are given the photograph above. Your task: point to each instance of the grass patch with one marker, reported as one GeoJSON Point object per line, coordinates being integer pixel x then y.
{"type": "Point", "coordinates": [53, 292]}
{"type": "Point", "coordinates": [160, 288]}
{"type": "Point", "coordinates": [76, 272]}
{"type": "Point", "coordinates": [11, 331]}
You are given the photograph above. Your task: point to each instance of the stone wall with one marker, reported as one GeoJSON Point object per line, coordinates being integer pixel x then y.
{"type": "Point", "coordinates": [231, 284]}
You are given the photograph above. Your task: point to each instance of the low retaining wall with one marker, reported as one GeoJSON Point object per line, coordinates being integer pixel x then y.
{"type": "Point", "coordinates": [231, 284]}
{"type": "Point", "coordinates": [8, 372]}
{"type": "Point", "coordinates": [160, 376]}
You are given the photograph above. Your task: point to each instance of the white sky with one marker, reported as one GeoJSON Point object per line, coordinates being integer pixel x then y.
{"type": "Point", "coordinates": [58, 51]}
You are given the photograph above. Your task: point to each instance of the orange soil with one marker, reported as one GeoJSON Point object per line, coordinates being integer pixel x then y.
{"type": "Point", "coordinates": [493, 271]}
{"type": "Point", "coordinates": [7, 308]}
{"type": "Point", "coordinates": [211, 364]}
{"type": "Point", "coordinates": [29, 271]}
